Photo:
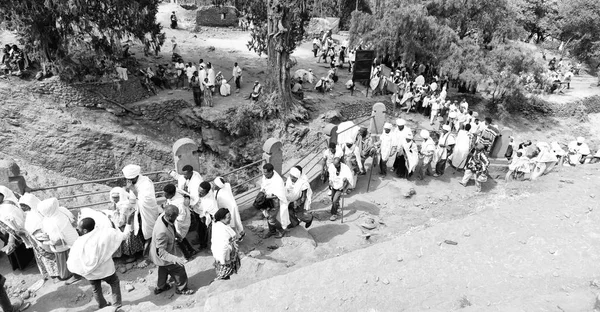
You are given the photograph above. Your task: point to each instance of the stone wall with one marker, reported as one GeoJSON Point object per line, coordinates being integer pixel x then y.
{"type": "Point", "coordinates": [88, 94]}
{"type": "Point", "coordinates": [165, 110]}
{"type": "Point", "coordinates": [217, 16]}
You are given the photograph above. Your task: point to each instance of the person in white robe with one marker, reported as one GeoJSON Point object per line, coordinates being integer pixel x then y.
{"type": "Point", "coordinates": [206, 210]}
{"type": "Point", "coordinates": [544, 162]}
{"type": "Point", "coordinates": [426, 154]}
{"type": "Point", "coordinates": [578, 151]}
{"type": "Point", "coordinates": [399, 139]}
{"type": "Point", "coordinates": [299, 195]}
{"type": "Point", "coordinates": [444, 150]}
{"type": "Point", "coordinates": [224, 246]}
{"type": "Point", "coordinates": [119, 211]}
{"type": "Point", "coordinates": [143, 196]}
{"type": "Point", "coordinates": [411, 154]}
{"type": "Point", "coordinates": [272, 201]}
{"type": "Point", "coordinates": [91, 257]}
{"type": "Point", "coordinates": [386, 147]}
{"type": "Point", "coordinates": [189, 182]}
{"type": "Point", "coordinates": [202, 74]}
{"type": "Point", "coordinates": [225, 88]}
{"type": "Point", "coordinates": [211, 74]}
{"type": "Point", "coordinates": [340, 179]}
{"type": "Point", "coordinates": [462, 148]}
{"type": "Point", "coordinates": [58, 234]}
{"type": "Point", "coordinates": [226, 199]}
{"type": "Point", "coordinates": [182, 223]}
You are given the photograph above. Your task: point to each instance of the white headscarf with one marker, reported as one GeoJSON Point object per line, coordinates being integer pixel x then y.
{"type": "Point", "coordinates": [33, 218]}
{"type": "Point", "coordinates": [131, 171]}
{"type": "Point", "coordinates": [57, 224]}
{"type": "Point", "coordinates": [9, 195]}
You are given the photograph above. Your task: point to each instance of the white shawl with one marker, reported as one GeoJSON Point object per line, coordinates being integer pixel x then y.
{"type": "Point", "coordinates": [33, 218]}
{"type": "Point", "coordinates": [146, 206]}
{"type": "Point", "coordinates": [102, 220]}
{"type": "Point", "coordinates": [221, 242]}
{"type": "Point", "coordinates": [93, 249]}
{"type": "Point", "coordinates": [57, 225]}
{"type": "Point", "coordinates": [225, 199]}
{"type": "Point", "coordinates": [275, 186]}
{"type": "Point", "coordinates": [294, 191]}
{"type": "Point", "coordinates": [191, 186]}
{"type": "Point", "coordinates": [183, 221]}
{"type": "Point", "coordinates": [387, 144]}
{"type": "Point", "coordinates": [8, 195]}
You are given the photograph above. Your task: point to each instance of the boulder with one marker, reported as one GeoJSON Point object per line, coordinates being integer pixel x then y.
{"type": "Point", "coordinates": [332, 116]}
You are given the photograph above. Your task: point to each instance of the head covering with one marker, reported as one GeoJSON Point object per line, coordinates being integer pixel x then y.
{"type": "Point", "coordinates": [48, 207]}
{"type": "Point", "coordinates": [294, 172]}
{"type": "Point", "coordinates": [400, 122]}
{"type": "Point", "coordinates": [475, 114]}
{"type": "Point", "coordinates": [221, 214]}
{"type": "Point", "coordinates": [452, 115]}
{"type": "Point", "coordinates": [424, 134]}
{"type": "Point", "coordinates": [131, 171]}
{"type": "Point", "coordinates": [580, 140]}
{"type": "Point", "coordinates": [8, 195]}
{"type": "Point", "coordinates": [205, 185]}
{"type": "Point", "coordinates": [30, 200]}
{"type": "Point", "coordinates": [409, 135]}
{"type": "Point", "coordinates": [219, 182]}
{"type": "Point", "coordinates": [119, 191]}
{"type": "Point", "coordinates": [446, 127]}
{"type": "Point", "coordinates": [387, 125]}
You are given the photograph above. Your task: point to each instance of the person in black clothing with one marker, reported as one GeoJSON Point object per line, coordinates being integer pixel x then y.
{"type": "Point", "coordinates": [173, 20]}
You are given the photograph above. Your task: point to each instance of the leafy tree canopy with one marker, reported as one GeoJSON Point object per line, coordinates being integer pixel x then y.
{"type": "Point", "coordinates": [53, 29]}
{"type": "Point", "coordinates": [579, 26]}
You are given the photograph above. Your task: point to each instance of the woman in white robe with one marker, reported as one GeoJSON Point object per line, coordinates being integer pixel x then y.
{"type": "Point", "coordinates": [225, 199]}
{"type": "Point", "coordinates": [461, 148]}
{"type": "Point", "coordinates": [276, 187]}
{"type": "Point", "coordinates": [224, 246]}
{"type": "Point", "coordinates": [225, 88]}
{"type": "Point", "coordinates": [59, 233]}
{"type": "Point", "coordinates": [544, 162]}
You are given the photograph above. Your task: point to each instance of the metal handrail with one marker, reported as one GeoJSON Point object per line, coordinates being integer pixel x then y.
{"type": "Point", "coordinates": [303, 158]}
{"type": "Point", "coordinates": [88, 182]}
{"type": "Point", "coordinates": [245, 182]}
{"type": "Point", "coordinates": [243, 167]}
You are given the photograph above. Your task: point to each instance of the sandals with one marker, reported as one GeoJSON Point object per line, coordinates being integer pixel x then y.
{"type": "Point", "coordinates": [185, 291]}
{"type": "Point", "coordinates": [161, 290]}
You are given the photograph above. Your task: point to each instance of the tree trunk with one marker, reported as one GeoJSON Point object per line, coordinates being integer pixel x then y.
{"type": "Point", "coordinates": [278, 65]}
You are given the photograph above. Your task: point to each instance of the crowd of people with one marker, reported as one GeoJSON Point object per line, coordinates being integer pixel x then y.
{"type": "Point", "coordinates": [70, 248]}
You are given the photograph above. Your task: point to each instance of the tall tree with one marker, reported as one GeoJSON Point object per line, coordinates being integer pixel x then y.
{"type": "Point", "coordinates": [580, 27]}
{"type": "Point", "coordinates": [279, 28]}
{"type": "Point", "coordinates": [537, 17]}
{"type": "Point", "coordinates": [53, 29]}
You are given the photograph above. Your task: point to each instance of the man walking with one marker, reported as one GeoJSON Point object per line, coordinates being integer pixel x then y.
{"type": "Point", "coordinates": [237, 76]}
{"type": "Point", "coordinates": [339, 181]}
{"type": "Point", "coordinates": [166, 255]}
{"type": "Point", "coordinates": [91, 257]}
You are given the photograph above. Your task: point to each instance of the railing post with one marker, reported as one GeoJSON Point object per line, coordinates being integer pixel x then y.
{"type": "Point", "coordinates": [185, 152]}
{"type": "Point", "coordinates": [376, 124]}
{"type": "Point", "coordinates": [331, 133]}
{"type": "Point", "coordinates": [500, 144]}
{"type": "Point", "coordinates": [10, 176]}
{"type": "Point", "coordinates": [273, 154]}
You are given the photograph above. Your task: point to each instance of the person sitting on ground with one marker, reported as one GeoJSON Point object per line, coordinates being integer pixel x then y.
{"type": "Point", "coordinates": [340, 179]}
{"type": "Point", "coordinates": [519, 167]}
{"type": "Point", "coordinates": [544, 161]}
{"type": "Point", "coordinates": [299, 195]}
{"type": "Point", "coordinates": [297, 89]}
{"type": "Point", "coordinates": [256, 91]}
{"type": "Point", "coordinates": [271, 200]}
{"type": "Point", "coordinates": [224, 87]}
{"type": "Point", "coordinates": [166, 254]}
{"type": "Point", "coordinates": [578, 152]}
{"type": "Point", "coordinates": [224, 246]}
{"type": "Point", "coordinates": [91, 257]}
{"type": "Point", "coordinates": [323, 85]}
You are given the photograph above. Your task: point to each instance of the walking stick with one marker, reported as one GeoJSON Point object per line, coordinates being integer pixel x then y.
{"type": "Point", "coordinates": [342, 208]}
{"type": "Point", "coordinates": [371, 173]}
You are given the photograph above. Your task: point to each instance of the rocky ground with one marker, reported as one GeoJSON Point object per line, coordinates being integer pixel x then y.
{"type": "Point", "coordinates": [522, 246]}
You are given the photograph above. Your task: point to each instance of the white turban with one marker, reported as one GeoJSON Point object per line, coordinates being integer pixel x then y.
{"type": "Point", "coordinates": [131, 171]}
{"type": "Point", "coordinates": [446, 127]}
{"type": "Point", "coordinates": [424, 134]}
{"type": "Point", "coordinates": [387, 125]}
{"type": "Point", "coordinates": [219, 182]}
{"type": "Point", "coordinates": [409, 135]}
{"type": "Point", "coordinates": [294, 172]}
{"type": "Point", "coordinates": [400, 122]}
